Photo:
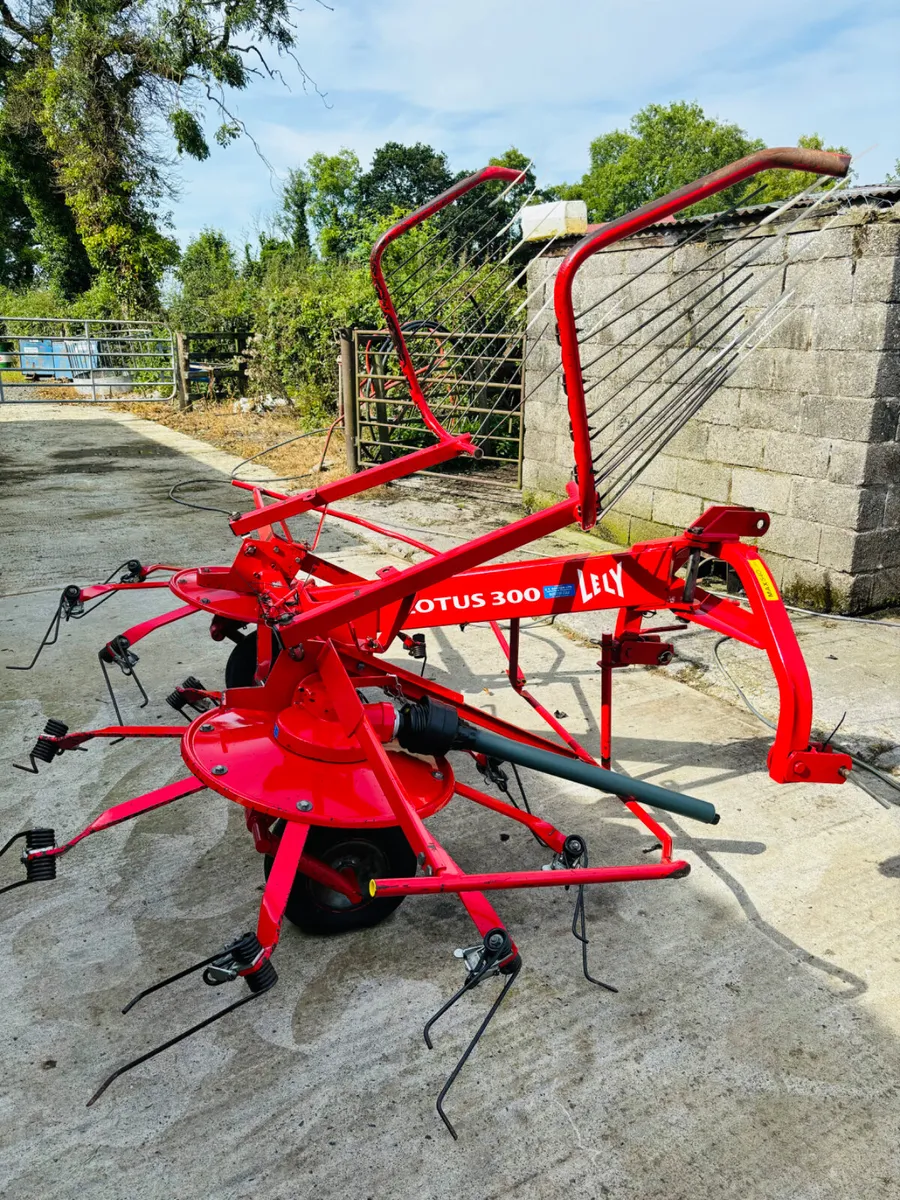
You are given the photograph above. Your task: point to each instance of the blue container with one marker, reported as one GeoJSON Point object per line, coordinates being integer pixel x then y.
{"type": "Point", "coordinates": [58, 358]}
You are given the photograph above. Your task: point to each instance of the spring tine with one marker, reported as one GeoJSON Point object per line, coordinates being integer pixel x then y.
{"type": "Point", "coordinates": [179, 1037]}
{"type": "Point", "coordinates": [451, 1078]}
{"type": "Point", "coordinates": [146, 698]}
{"type": "Point", "coordinates": [155, 987]}
{"type": "Point", "coordinates": [120, 567]}
{"type": "Point", "coordinates": [32, 770]}
{"type": "Point", "coordinates": [34, 839]}
{"type": "Point", "coordinates": [102, 600]}
{"type": "Point", "coordinates": [19, 882]}
{"type": "Point", "coordinates": [112, 694]}
{"type": "Point", "coordinates": [15, 837]}
{"type": "Point", "coordinates": [579, 917]}
{"type": "Point", "coordinates": [46, 640]}
{"type": "Point", "coordinates": [471, 982]}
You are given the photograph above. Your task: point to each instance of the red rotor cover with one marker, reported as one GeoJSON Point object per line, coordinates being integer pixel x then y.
{"type": "Point", "coordinates": [264, 771]}
{"type": "Point", "coordinates": [200, 586]}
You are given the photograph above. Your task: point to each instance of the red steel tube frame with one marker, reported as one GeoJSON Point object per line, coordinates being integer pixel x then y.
{"type": "Point", "coordinates": [504, 174]}
{"type": "Point", "coordinates": [137, 632]}
{"type": "Point", "coordinates": [764, 625]}
{"type": "Point", "coordinates": [350, 485]}
{"type": "Point", "coordinates": [429, 885]}
{"type": "Point", "coordinates": [448, 446]}
{"type": "Point", "coordinates": [787, 158]}
{"type": "Point", "coordinates": [327, 616]}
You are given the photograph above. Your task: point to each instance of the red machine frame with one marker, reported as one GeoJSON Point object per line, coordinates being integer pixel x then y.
{"type": "Point", "coordinates": [321, 630]}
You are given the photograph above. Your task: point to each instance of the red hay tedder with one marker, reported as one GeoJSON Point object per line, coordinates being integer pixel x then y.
{"type": "Point", "coordinates": [339, 758]}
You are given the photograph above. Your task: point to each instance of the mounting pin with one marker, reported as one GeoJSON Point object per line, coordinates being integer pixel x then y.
{"type": "Point", "coordinates": [304, 805]}
{"type": "Point", "coordinates": [206, 728]}
{"type": "Point", "coordinates": [219, 769]}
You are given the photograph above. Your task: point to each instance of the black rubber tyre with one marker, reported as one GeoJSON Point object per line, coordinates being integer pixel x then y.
{"type": "Point", "coordinates": [369, 853]}
{"type": "Point", "coordinates": [241, 665]}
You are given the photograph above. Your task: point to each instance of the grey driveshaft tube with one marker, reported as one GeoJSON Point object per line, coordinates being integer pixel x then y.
{"type": "Point", "coordinates": [432, 727]}
{"type": "Point", "coordinates": [574, 769]}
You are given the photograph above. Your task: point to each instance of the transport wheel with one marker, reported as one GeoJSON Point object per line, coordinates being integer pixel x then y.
{"type": "Point", "coordinates": [368, 854]}
{"type": "Point", "coordinates": [241, 665]}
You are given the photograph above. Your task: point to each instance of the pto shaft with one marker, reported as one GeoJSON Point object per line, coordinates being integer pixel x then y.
{"type": "Point", "coordinates": [431, 727]}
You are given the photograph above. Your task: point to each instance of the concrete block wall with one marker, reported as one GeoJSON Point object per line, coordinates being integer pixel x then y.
{"type": "Point", "coordinates": [808, 429]}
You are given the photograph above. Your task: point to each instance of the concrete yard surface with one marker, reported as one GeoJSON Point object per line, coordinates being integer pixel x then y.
{"type": "Point", "coordinates": [750, 1053]}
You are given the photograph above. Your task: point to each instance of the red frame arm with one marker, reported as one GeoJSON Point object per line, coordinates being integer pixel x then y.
{"type": "Point", "coordinates": [784, 158]}
{"type": "Point", "coordinates": [487, 174]}
{"type": "Point", "coordinates": [419, 460]}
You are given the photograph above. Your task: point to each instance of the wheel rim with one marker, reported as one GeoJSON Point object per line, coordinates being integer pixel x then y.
{"type": "Point", "coordinates": [362, 860]}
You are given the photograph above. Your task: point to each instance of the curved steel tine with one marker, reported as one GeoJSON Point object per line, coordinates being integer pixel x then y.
{"type": "Point", "coordinates": [179, 1037]}
{"type": "Point", "coordinates": [16, 836]}
{"type": "Point", "coordinates": [471, 982]}
{"type": "Point", "coordinates": [583, 938]}
{"type": "Point", "coordinates": [9, 887]}
{"type": "Point", "coordinates": [451, 1078]}
{"type": "Point", "coordinates": [46, 640]}
{"type": "Point", "coordinates": [155, 987]}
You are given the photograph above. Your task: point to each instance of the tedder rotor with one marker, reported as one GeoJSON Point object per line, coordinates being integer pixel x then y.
{"type": "Point", "coordinates": [338, 757]}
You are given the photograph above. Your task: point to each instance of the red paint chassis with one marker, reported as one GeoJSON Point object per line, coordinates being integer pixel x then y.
{"type": "Point", "coordinates": [304, 748]}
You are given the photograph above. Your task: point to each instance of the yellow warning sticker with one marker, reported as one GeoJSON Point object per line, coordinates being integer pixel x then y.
{"type": "Point", "coordinates": [766, 582]}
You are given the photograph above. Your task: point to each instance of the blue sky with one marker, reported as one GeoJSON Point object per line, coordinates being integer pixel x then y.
{"type": "Point", "coordinates": [473, 77]}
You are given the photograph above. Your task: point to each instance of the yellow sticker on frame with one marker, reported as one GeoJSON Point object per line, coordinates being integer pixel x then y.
{"type": "Point", "coordinates": [766, 582]}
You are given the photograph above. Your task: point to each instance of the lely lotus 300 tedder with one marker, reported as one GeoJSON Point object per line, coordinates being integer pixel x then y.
{"type": "Point", "coordinates": [339, 757]}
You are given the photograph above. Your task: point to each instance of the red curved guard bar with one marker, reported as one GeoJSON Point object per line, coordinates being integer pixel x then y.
{"type": "Point", "coordinates": [785, 158]}
{"type": "Point", "coordinates": [386, 304]}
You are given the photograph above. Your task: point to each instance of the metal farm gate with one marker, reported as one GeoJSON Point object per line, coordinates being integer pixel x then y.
{"type": "Point", "coordinates": [58, 359]}
{"type": "Point", "coordinates": [472, 382]}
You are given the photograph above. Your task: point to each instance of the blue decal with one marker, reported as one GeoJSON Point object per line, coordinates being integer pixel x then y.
{"type": "Point", "coordinates": [555, 590]}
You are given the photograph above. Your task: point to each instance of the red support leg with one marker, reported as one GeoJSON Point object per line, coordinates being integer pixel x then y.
{"type": "Point", "coordinates": [279, 884]}
{"type": "Point", "coordinates": [606, 657]}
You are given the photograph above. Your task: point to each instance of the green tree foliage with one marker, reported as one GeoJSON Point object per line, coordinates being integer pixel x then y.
{"type": "Point", "coordinates": [493, 207]}
{"type": "Point", "coordinates": [663, 148]}
{"type": "Point", "coordinates": [86, 86]}
{"type": "Point", "coordinates": [332, 202]}
{"type": "Point", "coordinates": [293, 347]}
{"type": "Point", "coordinates": [401, 178]}
{"type": "Point", "coordinates": [294, 218]}
{"type": "Point", "coordinates": [211, 294]}
{"type": "Point", "coordinates": [18, 254]}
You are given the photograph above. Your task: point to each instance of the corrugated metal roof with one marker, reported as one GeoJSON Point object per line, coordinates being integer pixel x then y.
{"type": "Point", "coordinates": [888, 193]}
